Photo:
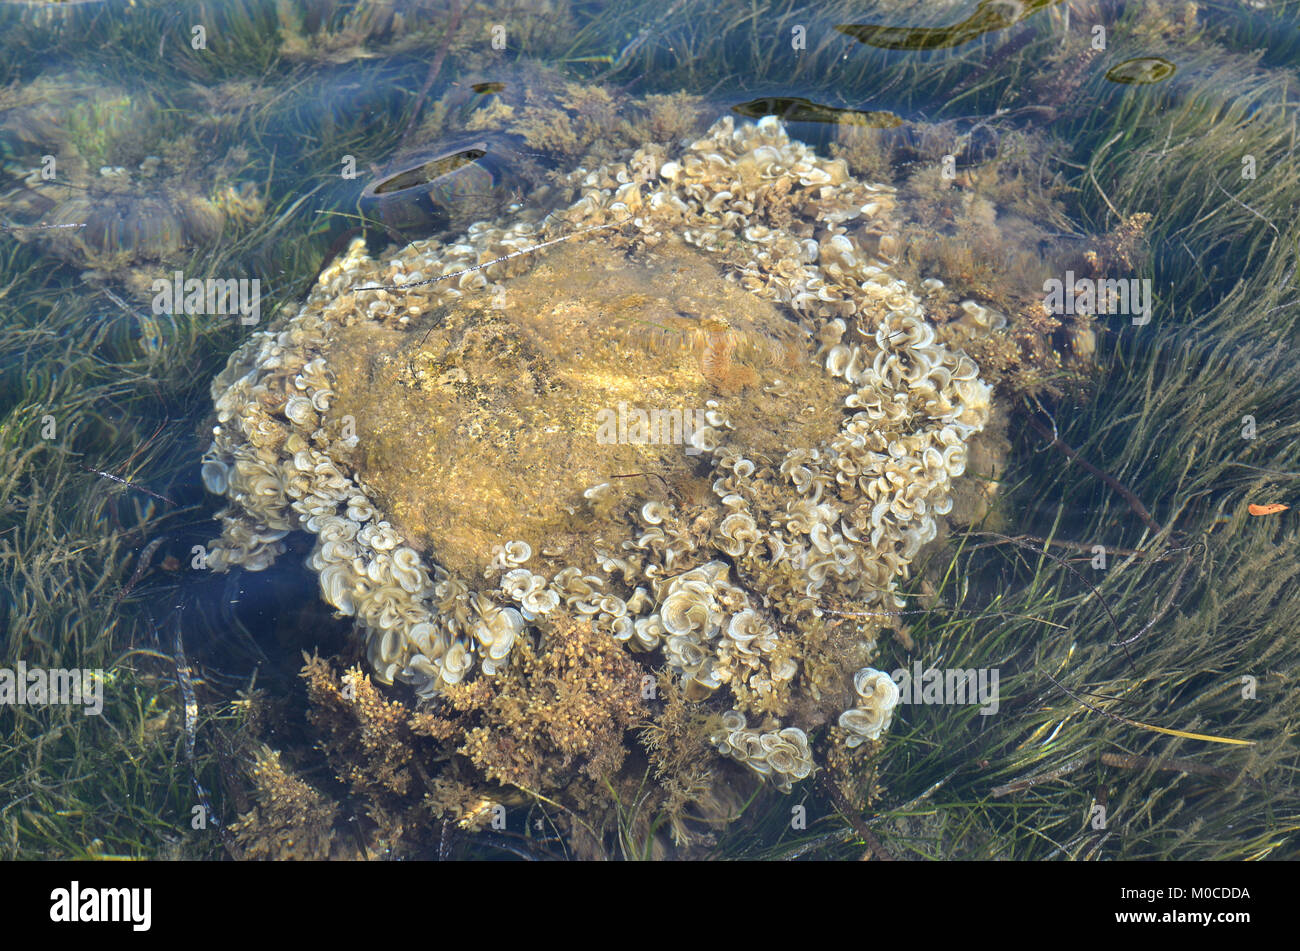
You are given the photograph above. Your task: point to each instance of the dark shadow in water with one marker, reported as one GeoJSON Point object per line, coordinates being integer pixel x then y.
{"type": "Point", "coordinates": [264, 620]}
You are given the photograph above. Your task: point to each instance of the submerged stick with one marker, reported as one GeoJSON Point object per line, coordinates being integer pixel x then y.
{"type": "Point", "coordinates": [190, 704]}
{"type": "Point", "coordinates": [874, 846]}
{"type": "Point", "coordinates": [8, 226]}
{"type": "Point", "coordinates": [1083, 547]}
{"type": "Point", "coordinates": [1027, 782]}
{"type": "Point", "coordinates": [128, 484]}
{"type": "Point", "coordinates": [1173, 764]}
{"type": "Point", "coordinates": [1134, 503]}
{"type": "Point", "coordinates": [1169, 601]}
{"type": "Point", "coordinates": [434, 68]}
{"type": "Point", "coordinates": [1072, 570]}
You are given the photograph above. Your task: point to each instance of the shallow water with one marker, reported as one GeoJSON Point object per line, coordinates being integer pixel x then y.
{"type": "Point", "coordinates": [1108, 572]}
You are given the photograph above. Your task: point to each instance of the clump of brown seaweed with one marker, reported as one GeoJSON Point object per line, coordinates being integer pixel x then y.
{"type": "Point", "coordinates": [984, 229]}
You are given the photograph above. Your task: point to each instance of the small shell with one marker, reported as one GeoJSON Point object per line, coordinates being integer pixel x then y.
{"type": "Point", "coordinates": [299, 411]}
{"type": "Point", "coordinates": [336, 583]}
{"type": "Point", "coordinates": [456, 663]}
{"type": "Point", "coordinates": [837, 361]}
{"type": "Point", "coordinates": [407, 570]}
{"type": "Point", "coordinates": [654, 512]}
{"type": "Point", "coordinates": [215, 476]}
{"type": "Point", "coordinates": [517, 552]}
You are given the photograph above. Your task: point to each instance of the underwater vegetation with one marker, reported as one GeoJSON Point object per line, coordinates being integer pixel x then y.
{"type": "Point", "coordinates": [94, 193]}
{"type": "Point", "coordinates": [1156, 443]}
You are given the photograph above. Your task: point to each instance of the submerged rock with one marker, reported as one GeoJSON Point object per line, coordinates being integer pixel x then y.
{"type": "Point", "coordinates": [440, 189]}
{"type": "Point", "coordinates": [693, 431]}
{"type": "Point", "coordinates": [547, 412]}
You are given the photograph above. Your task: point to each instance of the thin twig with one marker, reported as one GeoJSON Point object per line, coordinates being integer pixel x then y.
{"type": "Point", "coordinates": [874, 845]}
{"type": "Point", "coordinates": [479, 267]}
{"type": "Point", "coordinates": [7, 226]}
{"type": "Point", "coordinates": [190, 707]}
{"type": "Point", "coordinates": [1055, 432]}
{"type": "Point", "coordinates": [1132, 761]}
{"type": "Point", "coordinates": [434, 68]}
{"type": "Point", "coordinates": [976, 611]}
{"type": "Point", "coordinates": [1026, 782]}
{"type": "Point", "coordinates": [1071, 569]}
{"type": "Point", "coordinates": [1248, 208]}
{"type": "Point", "coordinates": [128, 484]}
{"type": "Point", "coordinates": [1134, 503]}
{"type": "Point", "coordinates": [1293, 475]}
{"type": "Point", "coordinates": [1169, 601]}
{"type": "Point", "coordinates": [1092, 174]}
{"type": "Point", "coordinates": [1084, 547]}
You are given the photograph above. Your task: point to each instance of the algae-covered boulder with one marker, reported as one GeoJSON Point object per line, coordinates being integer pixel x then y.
{"type": "Point", "coordinates": [703, 413]}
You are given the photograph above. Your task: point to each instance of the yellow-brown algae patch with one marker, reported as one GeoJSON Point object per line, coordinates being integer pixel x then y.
{"type": "Point", "coordinates": [483, 423]}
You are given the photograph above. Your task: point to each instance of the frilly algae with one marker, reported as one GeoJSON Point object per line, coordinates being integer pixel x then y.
{"type": "Point", "coordinates": [442, 443]}
{"type": "Point", "coordinates": [877, 697]}
{"type": "Point", "coordinates": [980, 239]}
